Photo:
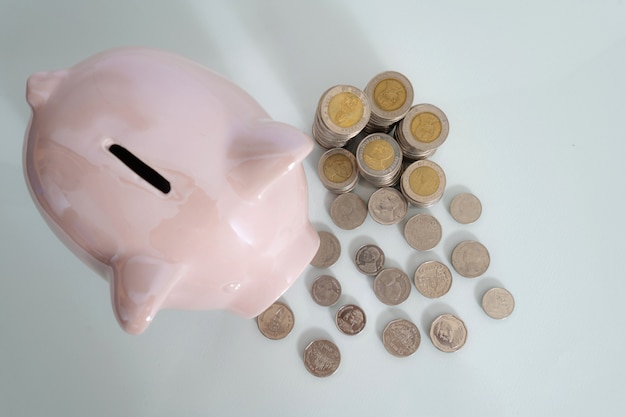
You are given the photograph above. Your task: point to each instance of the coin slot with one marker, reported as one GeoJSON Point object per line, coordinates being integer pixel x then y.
{"type": "Point", "coordinates": [141, 168]}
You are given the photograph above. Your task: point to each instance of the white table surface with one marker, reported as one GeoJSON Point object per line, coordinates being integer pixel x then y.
{"type": "Point", "coordinates": [535, 94]}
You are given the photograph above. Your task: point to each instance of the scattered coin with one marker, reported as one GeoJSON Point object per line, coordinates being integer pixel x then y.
{"type": "Point", "coordinates": [423, 129]}
{"type": "Point", "coordinates": [448, 333]}
{"type": "Point", "coordinates": [465, 208]}
{"type": "Point", "coordinates": [348, 211]}
{"type": "Point", "coordinates": [401, 338]}
{"type": "Point", "coordinates": [423, 183]}
{"type": "Point", "coordinates": [379, 159]}
{"type": "Point", "coordinates": [387, 206]}
{"type": "Point", "coordinates": [390, 95]}
{"type": "Point", "coordinates": [470, 259]}
{"type": "Point", "coordinates": [392, 286]}
{"type": "Point", "coordinates": [276, 322]}
{"type": "Point", "coordinates": [328, 252]}
{"type": "Point", "coordinates": [422, 231]}
{"type": "Point", "coordinates": [326, 290]}
{"type": "Point", "coordinates": [338, 171]}
{"type": "Point", "coordinates": [498, 303]}
{"type": "Point", "coordinates": [322, 358]}
{"type": "Point", "coordinates": [432, 279]}
{"type": "Point", "coordinates": [369, 259]}
{"type": "Point", "coordinates": [350, 319]}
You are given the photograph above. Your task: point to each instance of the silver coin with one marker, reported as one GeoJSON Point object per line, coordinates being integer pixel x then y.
{"type": "Point", "coordinates": [432, 279]}
{"type": "Point", "coordinates": [322, 358]}
{"type": "Point", "coordinates": [423, 183]}
{"type": "Point", "coordinates": [498, 303]}
{"type": "Point", "coordinates": [392, 286]}
{"type": "Point", "coordinates": [387, 206]}
{"type": "Point", "coordinates": [326, 290]}
{"type": "Point", "coordinates": [328, 251]}
{"type": "Point", "coordinates": [369, 259]}
{"type": "Point", "coordinates": [470, 259]}
{"type": "Point", "coordinates": [422, 231]}
{"type": "Point", "coordinates": [276, 322]}
{"type": "Point", "coordinates": [448, 333]}
{"type": "Point", "coordinates": [350, 319]}
{"type": "Point", "coordinates": [338, 171]}
{"type": "Point", "coordinates": [465, 208]}
{"type": "Point", "coordinates": [348, 211]}
{"type": "Point", "coordinates": [401, 338]}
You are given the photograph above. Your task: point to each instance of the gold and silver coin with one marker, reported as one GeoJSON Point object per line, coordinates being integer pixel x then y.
{"type": "Point", "coordinates": [350, 319]}
{"type": "Point", "coordinates": [326, 290]}
{"type": "Point", "coordinates": [379, 159]}
{"type": "Point", "coordinates": [470, 259]}
{"type": "Point", "coordinates": [369, 259]}
{"type": "Point", "coordinates": [401, 338]}
{"type": "Point", "coordinates": [276, 322]}
{"type": "Point", "coordinates": [328, 252]}
{"type": "Point", "coordinates": [448, 333]}
{"type": "Point", "coordinates": [348, 211]}
{"type": "Point", "coordinates": [322, 358]}
{"type": "Point", "coordinates": [387, 206]}
{"type": "Point", "coordinates": [338, 171]}
{"type": "Point", "coordinates": [391, 96]}
{"type": "Point", "coordinates": [342, 112]}
{"type": "Point", "coordinates": [423, 129]}
{"type": "Point", "coordinates": [423, 183]}
{"type": "Point", "coordinates": [498, 303]}
{"type": "Point", "coordinates": [392, 286]}
{"type": "Point", "coordinates": [422, 231]}
{"type": "Point", "coordinates": [432, 279]}
{"type": "Point", "coordinates": [465, 208]}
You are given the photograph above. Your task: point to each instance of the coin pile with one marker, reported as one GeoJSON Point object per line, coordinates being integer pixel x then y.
{"type": "Point", "coordinates": [385, 132]}
{"type": "Point", "coordinates": [390, 95]}
{"type": "Point", "coordinates": [342, 112]}
{"type": "Point", "coordinates": [380, 136]}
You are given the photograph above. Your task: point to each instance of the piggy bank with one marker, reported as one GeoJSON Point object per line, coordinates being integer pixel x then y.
{"type": "Point", "coordinates": [171, 182]}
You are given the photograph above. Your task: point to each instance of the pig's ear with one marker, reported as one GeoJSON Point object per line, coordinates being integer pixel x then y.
{"type": "Point", "coordinates": [41, 85]}
{"type": "Point", "coordinates": [267, 152]}
{"type": "Point", "coordinates": [139, 286]}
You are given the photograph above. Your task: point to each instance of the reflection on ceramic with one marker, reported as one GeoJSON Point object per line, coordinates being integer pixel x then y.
{"type": "Point", "coordinates": [171, 182]}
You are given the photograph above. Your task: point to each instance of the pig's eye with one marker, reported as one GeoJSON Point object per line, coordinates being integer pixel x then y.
{"type": "Point", "coordinates": [141, 168]}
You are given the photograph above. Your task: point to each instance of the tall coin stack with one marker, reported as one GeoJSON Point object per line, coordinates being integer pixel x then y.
{"type": "Point", "coordinates": [342, 112]}
{"type": "Point", "coordinates": [423, 129]}
{"type": "Point", "coordinates": [379, 159]}
{"type": "Point", "coordinates": [391, 96]}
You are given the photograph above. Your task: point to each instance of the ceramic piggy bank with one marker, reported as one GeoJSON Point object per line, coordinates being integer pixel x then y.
{"type": "Point", "coordinates": [171, 182]}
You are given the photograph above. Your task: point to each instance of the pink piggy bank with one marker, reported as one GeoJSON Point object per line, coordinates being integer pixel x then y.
{"type": "Point", "coordinates": [171, 182]}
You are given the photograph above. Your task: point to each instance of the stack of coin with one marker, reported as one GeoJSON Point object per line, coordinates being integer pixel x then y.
{"type": "Point", "coordinates": [422, 131]}
{"type": "Point", "coordinates": [423, 183]}
{"type": "Point", "coordinates": [342, 112]}
{"type": "Point", "coordinates": [391, 96]}
{"type": "Point", "coordinates": [338, 171]}
{"type": "Point", "coordinates": [379, 159]}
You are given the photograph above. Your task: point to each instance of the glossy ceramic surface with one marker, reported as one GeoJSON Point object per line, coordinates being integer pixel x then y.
{"type": "Point", "coordinates": [171, 182]}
